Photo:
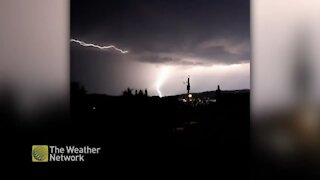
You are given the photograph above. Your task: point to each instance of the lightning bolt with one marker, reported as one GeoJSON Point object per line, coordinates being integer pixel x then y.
{"type": "Point", "coordinates": [98, 46]}
{"type": "Point", "coordinates": [162, 77]}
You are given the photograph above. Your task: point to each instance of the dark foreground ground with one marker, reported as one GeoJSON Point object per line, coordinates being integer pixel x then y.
{"type": "Point", "coordinates": [142, 135]}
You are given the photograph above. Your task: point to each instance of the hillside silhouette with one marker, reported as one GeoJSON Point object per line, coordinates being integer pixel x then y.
{"type": "Point", "coordinates": [143, 124]}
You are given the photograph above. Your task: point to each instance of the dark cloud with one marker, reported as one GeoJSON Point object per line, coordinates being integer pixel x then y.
{"type": "Point", "coordinates": [178, 28]}
{"type": "Point", "coordinates": [153, 58]}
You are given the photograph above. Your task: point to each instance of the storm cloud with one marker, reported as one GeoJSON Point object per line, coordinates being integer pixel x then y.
{"type": "Point", "coordinates": [181, 37]}
{"type": "Point", "coordinates": [166, 31]}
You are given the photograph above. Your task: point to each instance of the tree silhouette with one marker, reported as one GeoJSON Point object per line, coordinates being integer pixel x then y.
{"type": "Point", "coordinates": [140, 93]}
{"type": "Point", "coordinates": [127, 92]}
{"type": "Point", "coordinates": [146, 92]}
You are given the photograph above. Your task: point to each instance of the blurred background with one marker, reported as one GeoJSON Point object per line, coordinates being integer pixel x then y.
{"type": "Point", "coordinates": [34, 70]}
{"type": "Point", "coordinates": [285, 88]}
{"type": "Point", "coordinates": [285, 129]}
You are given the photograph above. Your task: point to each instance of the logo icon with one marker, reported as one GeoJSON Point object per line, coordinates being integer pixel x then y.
{"type": "Point", "coordinates": [40, 153]}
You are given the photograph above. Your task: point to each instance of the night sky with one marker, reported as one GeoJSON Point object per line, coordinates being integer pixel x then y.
{"type": "Point", "coordinates": [167, 40]}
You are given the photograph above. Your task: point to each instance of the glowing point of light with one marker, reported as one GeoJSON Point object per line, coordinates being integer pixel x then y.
{"type": "Point", "coordinates": [190, 95]}
{"type": "Point", "coordinates": [98, 46]}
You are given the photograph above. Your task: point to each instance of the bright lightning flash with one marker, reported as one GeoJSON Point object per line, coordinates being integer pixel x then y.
{"type": "Point", "coordinates": [97, 46]}
{"type": "Point", "coordinates": [162, 77]}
